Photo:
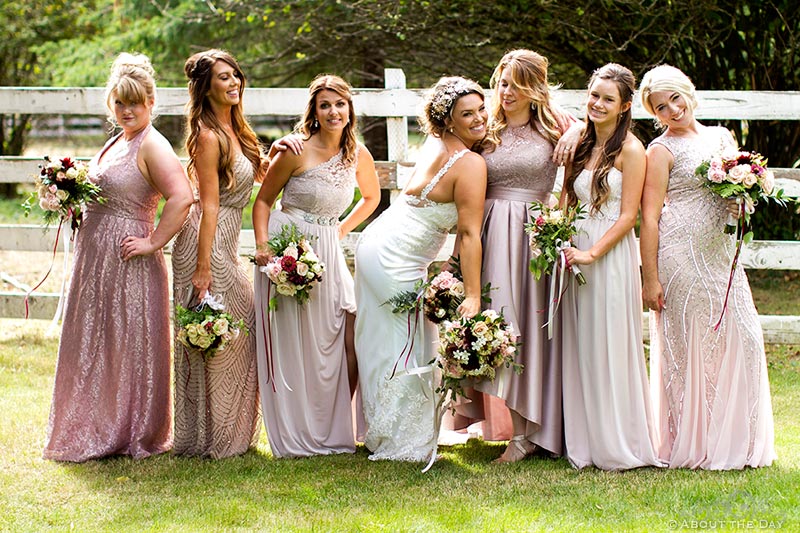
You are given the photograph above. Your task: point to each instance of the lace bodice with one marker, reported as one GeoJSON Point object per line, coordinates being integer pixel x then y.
{"type": "Point", "coordinates": [521, 161]}
{"type": "Point", "coordinates": [325, 190]}
{"type": "Point", "coordinates": [610, 208]}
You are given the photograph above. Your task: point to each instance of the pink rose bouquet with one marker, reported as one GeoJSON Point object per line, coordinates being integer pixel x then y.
{"type": "Point", "coordinates": [743, 176]}
{"type": "Point", "coordinates": [62, 190]}
{"type": "Point", "coordinates": [295, 268]}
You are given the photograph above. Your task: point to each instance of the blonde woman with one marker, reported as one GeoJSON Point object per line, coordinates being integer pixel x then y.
{"type": "Point", "coordinates": [112, 384]}
{"type": "Point", "coordinates": [710, 386]}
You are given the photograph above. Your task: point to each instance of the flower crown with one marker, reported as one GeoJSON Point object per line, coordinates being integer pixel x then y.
{"type": "Point", "coordinates": [443, 99]}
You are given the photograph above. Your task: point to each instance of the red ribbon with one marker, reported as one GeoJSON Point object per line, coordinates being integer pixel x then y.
{"type": "Point", "coordinates": [410, 338]}
{"type": "Point", "coordinates": [52, 262]}
{"type": "Point", "coordinates": [739, 239]}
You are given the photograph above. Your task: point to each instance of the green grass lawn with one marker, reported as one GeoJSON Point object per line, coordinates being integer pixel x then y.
{"type": "Point", "coordinates": [462, 492]}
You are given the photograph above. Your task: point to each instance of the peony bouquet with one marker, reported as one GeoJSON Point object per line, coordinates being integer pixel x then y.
{"type": "Point", "coordinates": [295, 268]}
{"type": "Point", "coordinates": [475, 348]}
{"type": "Point", "coordinates": [439, 297]}
{"type": "Point", "coordinates": [743, 176]}
{"type": "Point", "coordinates": [62, 190]}
{"type": "Point", "coordinates": [549, 234]}
{"type": "Point", "coordinates": [207, 327]}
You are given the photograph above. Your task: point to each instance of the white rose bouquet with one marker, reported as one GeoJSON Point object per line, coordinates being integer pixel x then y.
{"type": "Point", "coordinates": [62, 190]}
{"type": "Point", "coordinates": [295, 268]}
{"type": "Point", "coordinates": [207, 327]}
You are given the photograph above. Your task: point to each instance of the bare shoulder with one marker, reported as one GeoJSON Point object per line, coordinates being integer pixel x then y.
{"type": "Point", "coordinates": [155, 142]}
{"type": "Point", "coordinates": [471, 161]}
{"type": "Point", "coordinates": [632, 145]}
{"type": "Point", "coordinates": [363, 153]}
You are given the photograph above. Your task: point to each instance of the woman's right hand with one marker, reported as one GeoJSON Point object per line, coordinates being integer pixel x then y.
{"type": "Point", "coordinates": [568, 143]}
{"type": "Point", "coordinates": [653, 296]}
{"type": "Point", "coordinates": [293, 142]}
{"type": "Point", "coordinates": [470, 307]}
{"type": "Point", "coordinates": [201, 281]}
{"type": "Point", "coordinates": [262, 257]}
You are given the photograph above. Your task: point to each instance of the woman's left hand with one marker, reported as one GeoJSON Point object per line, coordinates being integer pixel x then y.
{"type": "Point", "coordinates": [470, 307]}
{"type": "Point", "coordinates": [564, 150]}
{"type": "Point", "coordinates": [578, 257]}
{"type": "Point", "coordinates": [136, 246]}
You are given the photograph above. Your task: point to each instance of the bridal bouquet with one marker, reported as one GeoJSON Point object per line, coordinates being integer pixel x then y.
{"type": "Point", "coordinates": [62, 190]}
{"type": "Point", "coordinates": [437, 298]}
{"type": "Point", "coordinates": [549, 234]}
{"type": "Point", "coordinates": [470, 348]}
{"type": "Point", "coordinates": [207, 327]}
{"type": "Point", "coordinates": [295, 268]}
{"type": "Point", "coordinates": [740, 175]}
{"type": "Point", "coordinates": [475, 348]}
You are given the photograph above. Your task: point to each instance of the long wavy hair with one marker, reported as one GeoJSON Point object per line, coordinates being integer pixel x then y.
{"type": "Point", "coordinates": [198, 69]}
{"type": "Point", "coordinates": [626, 84]}
{"type": "Point", "coordinates": [528, 71]}
{"type": "Point", "coordinates": [309, 123]}
{"type": "Point", "coordinates": [132, 81]}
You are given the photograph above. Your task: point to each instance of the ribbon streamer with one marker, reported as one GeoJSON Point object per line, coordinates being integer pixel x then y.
{"type": "Point", "coordinates": [52, 262]}
{"type": "Point", "coordinates": [559, 273]}
{"type": "Point", "coordinates": [266, 328]}
{"type": "Point", "coordinates": [740, 231]}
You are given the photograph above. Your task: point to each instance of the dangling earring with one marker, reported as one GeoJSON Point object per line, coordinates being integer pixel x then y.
{"type": "Point", "coordinates": [316, 123]}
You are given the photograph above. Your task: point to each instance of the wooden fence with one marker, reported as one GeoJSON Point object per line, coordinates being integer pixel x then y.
{"type": "Point", "coordinates": [397, 104]}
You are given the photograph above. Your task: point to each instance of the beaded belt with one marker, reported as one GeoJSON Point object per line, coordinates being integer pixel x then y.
{"type": "Point", "coordinates": [311, 218]}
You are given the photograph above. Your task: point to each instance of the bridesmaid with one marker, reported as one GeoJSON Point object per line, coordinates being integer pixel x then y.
{"type": "Point", "coordinates": [112, 379]}
{"type": "Point", "coordinates": [523, 129]}
{"type": "Point", "coordinates": [711, 390]}
{"type": "Point", "coordinates": [216, 401]}
{"type": "Point", "coordinates": [607, 416]}
{"type": "Point", "coordinates": [303, 350]}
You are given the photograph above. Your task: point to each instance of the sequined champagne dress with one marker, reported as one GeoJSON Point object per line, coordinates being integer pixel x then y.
{"type": "Point", "coordinates": [112, 384]}
{"type": "Point", "coordinates": [302, 363]}
{"type": "Point", "coordinates": [520, 171]}
{"type": "Point", "coordinates": [216, 401]}
{"type": "Point", "coordinates": [711, 391]}
{"type": "Point", "coordinates": [608, 421]}
{"type": "Point", "coordinates": [394, 252]}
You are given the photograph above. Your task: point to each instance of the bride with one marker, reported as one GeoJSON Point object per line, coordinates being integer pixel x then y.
{"type": "Point", "coordinates": [446, 189]}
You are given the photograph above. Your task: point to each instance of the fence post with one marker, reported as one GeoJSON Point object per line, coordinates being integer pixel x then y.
{"type": "Point", "coordinates": [396, 127]}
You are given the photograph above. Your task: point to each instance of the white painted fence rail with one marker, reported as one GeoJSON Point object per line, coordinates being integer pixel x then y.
{"type": "Point", "coordinates": [397, 104]}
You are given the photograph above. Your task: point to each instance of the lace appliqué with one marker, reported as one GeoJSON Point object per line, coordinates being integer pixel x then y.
{"type": "Point", "coordinates": [422, 200]}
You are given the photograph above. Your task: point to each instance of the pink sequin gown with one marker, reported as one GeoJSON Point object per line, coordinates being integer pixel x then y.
{"type": "Point", "coordinates": [710, 388]}
{"type": "Point", "coordinates": [112, 384]}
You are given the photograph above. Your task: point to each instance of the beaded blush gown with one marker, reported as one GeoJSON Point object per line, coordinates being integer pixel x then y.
{"type": "Point", "coordinates": [394, 252]}
{"type": "Point", "coordinates": [112, 384]}
{"type": "Point", "coordinates": [216, 400]}
{"type": "Point", "coordinates": [302, 362]}
{"type": "Point", "coordinates": [608, 421]}
{"type": "Point", "coordinates": [710, 388]}
{"type": "Point", "coordinates": [520, 171]}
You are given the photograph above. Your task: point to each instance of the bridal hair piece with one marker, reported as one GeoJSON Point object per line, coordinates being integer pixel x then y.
{"type": "Point", "coordinates": [442, 99]}
{"type": "Point", "coordinates": [446, 94]}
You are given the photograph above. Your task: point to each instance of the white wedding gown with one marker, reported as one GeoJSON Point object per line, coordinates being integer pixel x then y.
{"type": "Point", "coordinates": [394, 252]}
